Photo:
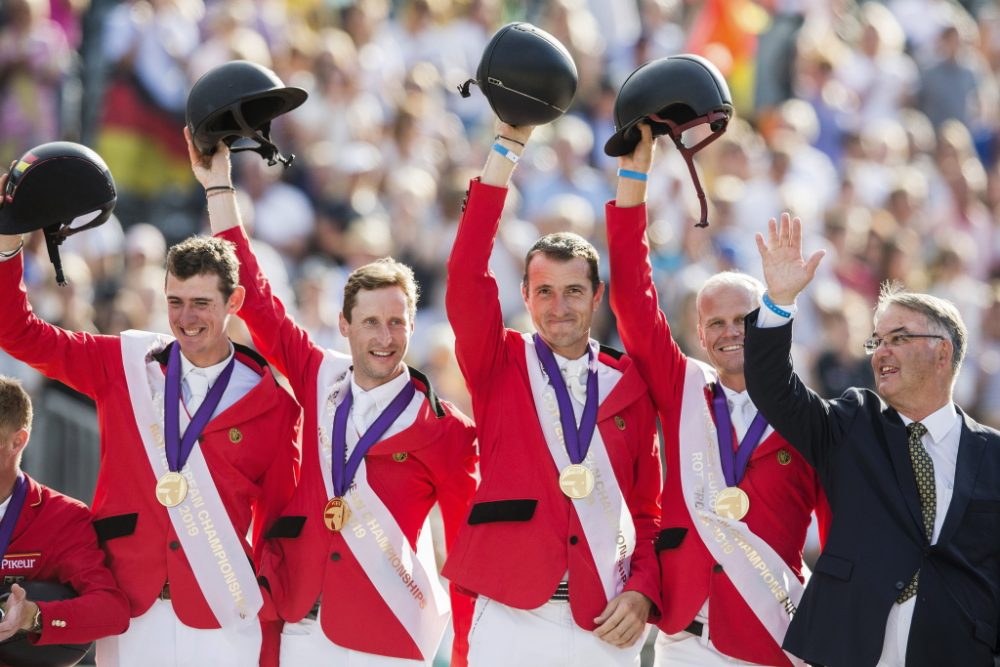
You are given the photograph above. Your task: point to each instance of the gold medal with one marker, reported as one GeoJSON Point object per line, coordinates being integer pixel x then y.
{"type": "Point", "coordinates": [336, 513]}
{"type": "Point", "coordinates": [576, 481]}
{"type": "Point", "coordinates": [171, 489]}
{"type": "Point", "coordinates": [732, 503]}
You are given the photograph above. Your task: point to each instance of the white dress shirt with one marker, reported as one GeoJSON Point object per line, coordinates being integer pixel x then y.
{"type": "Point", "coordinates": [196, 381]}
{"type": "Point", "coordinates": [368, 405]}
{"type": "Point", "coordinates": [944, 431]}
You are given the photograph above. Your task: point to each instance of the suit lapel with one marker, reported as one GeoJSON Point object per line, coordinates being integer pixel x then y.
{"type": "Point", "coordinates": [971, 447]}
{"type": "Point", "coordinates": [895, 439]}
{"type": "Point", "coordinates": [626, 391]}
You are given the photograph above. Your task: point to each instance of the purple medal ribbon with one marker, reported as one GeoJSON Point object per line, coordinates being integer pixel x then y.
{"type": "Point", "coordinates": [179, 449]}
{"type": "Point", "coordinates": [734, 463]}
{"type": "Point", "coordinates": [344, 469]}
{"type": "Point", "coordinates": [577, 440]}
{"type": "Point", "coordinates": [13, 512]}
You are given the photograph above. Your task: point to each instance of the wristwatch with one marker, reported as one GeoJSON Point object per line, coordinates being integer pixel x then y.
{"type": "Point", "coordinates": [36, 621]}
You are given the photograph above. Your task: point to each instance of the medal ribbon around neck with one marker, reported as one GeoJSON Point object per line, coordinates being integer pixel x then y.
{"type": "Point", "coordinates": [734, 460]}
{"type": "Point", "coordinates": [577, 440]}
{"type": "Point", "coordinates": [344, 469]}
{"type": "Point", "coordinates": [13, 512]}
{"type": "Point", "coordinates": [179, 449]}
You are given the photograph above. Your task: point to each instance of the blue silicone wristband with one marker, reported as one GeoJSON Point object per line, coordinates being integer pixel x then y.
{"type": "Point", "coordinates": [506, 152]}
{"type": "Point", "coordinates": [773, 308]}
{"type": "Point", "coordinates": [635, 175]}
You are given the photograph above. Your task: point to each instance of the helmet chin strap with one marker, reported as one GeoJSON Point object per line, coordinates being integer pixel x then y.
{"type": "Point", "coordinates": [52, 240]}
{"type": "Point", "coordinates": [264, 147]}
{"type": "Point", "coordinates": [714, 119]}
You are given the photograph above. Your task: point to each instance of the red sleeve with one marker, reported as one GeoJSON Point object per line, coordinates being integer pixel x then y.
{"type": "Point", "coordinates": [644, 504]}
{"type": "Point", "coordinates": [277, 336]}
{"type": "Point", "coordinates": [642, 325]}
{"type": "Point", "coordinates": [79, 360]}
{"type": "Point", "coordinates": [282, 475]}
{"type": "Point", "coordinates": [472, 298]}
{"type": "Point", "coordinates": [455, 489]}
{"type": "Point", "coordinates": [100, 608]}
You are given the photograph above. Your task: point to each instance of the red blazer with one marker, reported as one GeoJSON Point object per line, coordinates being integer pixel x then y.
{"type": "Point", "coordinates": [251, 449]}
{"type": "Point", "coordinates": [303, 558]}
{"type": "Point", "coordinates": [522, 536]}
{"type": "Point", "coordinates": [53, 541]}
{"type": "Point", "coordinates": [783, 489]}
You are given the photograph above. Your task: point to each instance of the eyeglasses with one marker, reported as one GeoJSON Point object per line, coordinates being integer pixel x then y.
{"type": "Point", "coordinates": [895, 340]}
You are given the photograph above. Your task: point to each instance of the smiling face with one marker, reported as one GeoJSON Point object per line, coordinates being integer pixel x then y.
{"type": "Point", "coordinates": [721, 312]}
{"type": "Point", "coordinates": [199, 312]}
{"type": "Point", "coordinates": [914, 377]}
{"type": "Point", "coordinates": [561, 300]}
{"type": "Point", "coordinates": [379, 334]}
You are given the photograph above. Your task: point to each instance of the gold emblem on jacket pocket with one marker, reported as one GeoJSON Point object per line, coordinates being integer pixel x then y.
{"type": "Point", "coordinates": [399, 457]}
{"type": "Point", "coordinates": [620, 422]}
{"type": "Point", "coordinates": [784, 457]}
{"type": "Point", "coordinates": [235, 435]}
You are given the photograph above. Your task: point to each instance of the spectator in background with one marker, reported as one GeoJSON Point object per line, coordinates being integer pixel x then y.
{"type": "Point", "coordinates": [842, 363]}
{"type": "Point", "coordinates": [876, 70]}
{"type": "Point", "coordinates": [949, 87]}
{"type": "Point", "coordinates": [35, 58]}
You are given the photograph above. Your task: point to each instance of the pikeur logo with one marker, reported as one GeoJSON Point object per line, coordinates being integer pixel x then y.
{"type": "Point", "coordinates": [19, 561]}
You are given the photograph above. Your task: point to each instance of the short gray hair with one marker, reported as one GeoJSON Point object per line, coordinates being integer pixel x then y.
{"type": "Point", "coordinates": [941, 314]}
{"type": "Point", "coordinates": [731, 279]}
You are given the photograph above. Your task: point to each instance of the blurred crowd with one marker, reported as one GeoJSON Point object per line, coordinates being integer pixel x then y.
{"type": "Point", "coordinates": [876, 123]}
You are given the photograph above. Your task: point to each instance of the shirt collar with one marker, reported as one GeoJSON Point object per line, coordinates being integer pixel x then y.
{"type": "Point", "coordinates": [573, 366]}
{"type": "Point", "coordinates": [211, 372]}
{"type": "Point", "coordinates": [383, 394]}
{"type": "Point", "coordinates": [938, 423]}
{"type": "Point", "coordinates": [736, 399]}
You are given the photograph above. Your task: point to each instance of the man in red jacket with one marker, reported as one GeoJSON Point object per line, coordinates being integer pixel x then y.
{"type": "Point", "coordinates": [380, 449]}
{"type": "Point", "coordinates": [558, 544]}
{"type": "Point", "coordinates": [46, 536]}
{"type": "Point", "coordinates": [738, 498]}
{"type": "Point", "coordinates": [198, 442]}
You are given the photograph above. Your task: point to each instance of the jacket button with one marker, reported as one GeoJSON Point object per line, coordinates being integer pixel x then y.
{"type": "Point", "coordinates": [175, 545]}
{"type": "Point", "coordinates": [573, 539]}
{"type": "Point", "coordinates": [900, 585]}
{"type": "Point", "coordinates": [335, 556]}
{"type": "Point", "coordinates": [717, 568]}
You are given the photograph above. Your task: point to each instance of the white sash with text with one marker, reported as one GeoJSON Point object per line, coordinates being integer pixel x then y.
{"type": "Point", "coordinates": [765, 581]}
{"type": "Point", "coordinates": [216, 553]}
{"type": "Point", "coordinates": [406, 580]}
{"type": "Point", "coordinates": [604, 515]}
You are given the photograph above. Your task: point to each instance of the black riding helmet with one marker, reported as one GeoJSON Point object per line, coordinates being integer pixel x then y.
{"type": "Point", "coordinates": [527, 75]}
{"type": "Point", "coordinates": [672, 94]}
{"type": "Point", "coordinates": [52, 186]}
{"type": "Point", "coordinates": [239, 99]}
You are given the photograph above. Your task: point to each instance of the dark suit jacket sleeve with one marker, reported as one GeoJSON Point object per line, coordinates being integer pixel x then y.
{"type": "Point", "coordinates": [811, 424]}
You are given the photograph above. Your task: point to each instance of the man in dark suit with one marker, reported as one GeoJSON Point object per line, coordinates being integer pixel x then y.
{"type": "Point", "coordinates": [910, 574]}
